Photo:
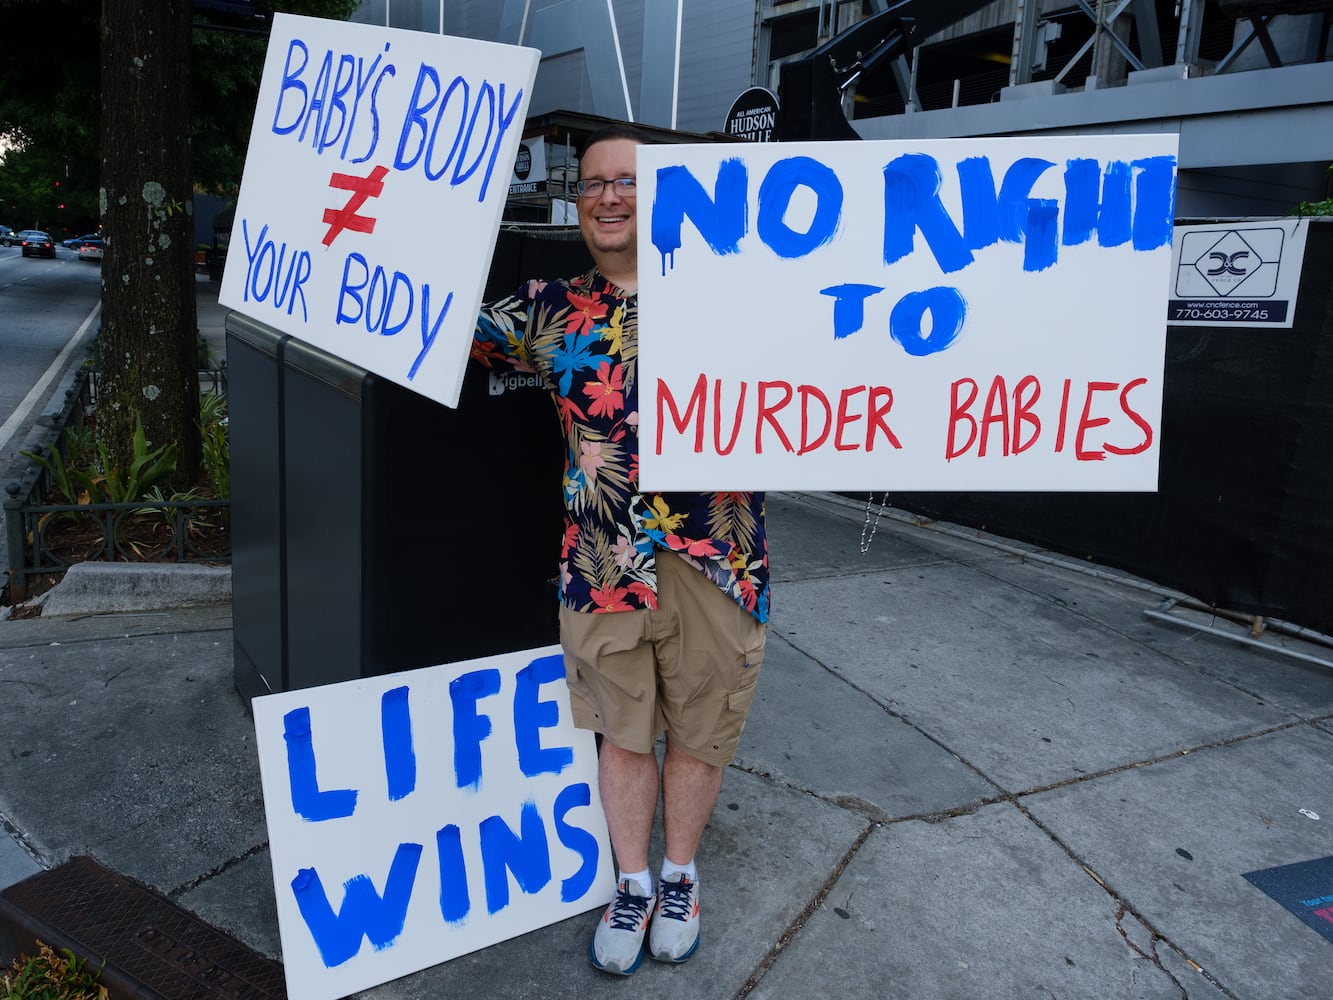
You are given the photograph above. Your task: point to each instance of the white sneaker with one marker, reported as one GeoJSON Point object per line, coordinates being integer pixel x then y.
{"type": "Point", "coordinates": [617, 945]}
{"type": "Point", "coordinates": [674, 935]}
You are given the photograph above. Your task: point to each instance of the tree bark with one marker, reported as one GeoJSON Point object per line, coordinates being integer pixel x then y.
{"type": "Point", "coordinates": [147, 345]}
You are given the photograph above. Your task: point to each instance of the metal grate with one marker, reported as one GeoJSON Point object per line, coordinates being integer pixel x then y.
{"type": "Point", "coordinates": [152, 948]}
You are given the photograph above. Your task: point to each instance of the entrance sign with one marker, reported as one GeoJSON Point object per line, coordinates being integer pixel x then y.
{"type": "Point", "coordinates": [1240, 273]}
{"type": "Point", "coordinates": [753, 116]}
{"type": "Point", "coordinates": [910, 315]}
{"type": "Point", "coordinates": [376, 175]}
{"type": "Point", "coordinates": [418, 816]}
{"type": "Point", "coordinates": [529, 175]}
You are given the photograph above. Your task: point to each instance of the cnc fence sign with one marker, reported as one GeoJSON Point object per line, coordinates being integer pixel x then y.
{"type": "Point", "coordinates": [910, 315]}
{"type": "Point", "coordinates": [415, 817]}
{"type": "Point", "coordinates": [1243, 273]}
{"type": "Point", "coordinates": [378, 168]}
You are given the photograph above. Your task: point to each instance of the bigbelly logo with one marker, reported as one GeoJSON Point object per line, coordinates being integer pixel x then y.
{"type": "Point", "coordinates": [502, 382]}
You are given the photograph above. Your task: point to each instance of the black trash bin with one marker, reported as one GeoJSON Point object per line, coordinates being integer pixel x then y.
{"type": "Point", "coordinates": [375, 530]}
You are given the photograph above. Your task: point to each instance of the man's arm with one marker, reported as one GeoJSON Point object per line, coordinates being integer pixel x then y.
{"type": "Point", "coordinates": [500, 339]}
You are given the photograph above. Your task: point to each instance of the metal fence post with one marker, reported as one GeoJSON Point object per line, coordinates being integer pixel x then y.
{"type": "Point", "coordinates": [14, 548]}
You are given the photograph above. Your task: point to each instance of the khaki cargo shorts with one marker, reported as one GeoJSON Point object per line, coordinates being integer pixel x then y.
{"type": "Point", "coordinates": [687, 669]}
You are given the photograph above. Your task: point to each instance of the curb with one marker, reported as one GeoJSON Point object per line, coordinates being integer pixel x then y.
{"type": "Point", "coordinates": [102, 588]}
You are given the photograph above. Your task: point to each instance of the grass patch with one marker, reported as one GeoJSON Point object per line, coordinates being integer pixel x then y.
{"type": "Point", "coordinates": [51, 975]}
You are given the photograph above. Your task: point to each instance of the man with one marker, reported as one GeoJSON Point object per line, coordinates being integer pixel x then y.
{"type": "Point", "coordinates": [663, 596]}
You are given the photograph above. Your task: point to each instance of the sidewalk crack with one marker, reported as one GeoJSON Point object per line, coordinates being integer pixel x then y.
{"type": "Point", "coordinates": [794, 928]}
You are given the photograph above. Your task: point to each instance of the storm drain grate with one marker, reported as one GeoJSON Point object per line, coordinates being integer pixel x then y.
{"type": "Point", "coordinates": [152, 947]}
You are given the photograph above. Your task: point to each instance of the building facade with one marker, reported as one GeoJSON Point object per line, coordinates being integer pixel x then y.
{"type": "Point", "coordinates": [1247, 84]}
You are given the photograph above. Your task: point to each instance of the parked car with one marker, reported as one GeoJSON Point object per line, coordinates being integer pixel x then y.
{"type": "Point", "coordinates": [36, 243]}
{"type": "Point", "coordinates": [74, 242]}
{"type": "Point", "coordinates": [91, 248]}
{"type": "Point", "coordinates": [7, 237]}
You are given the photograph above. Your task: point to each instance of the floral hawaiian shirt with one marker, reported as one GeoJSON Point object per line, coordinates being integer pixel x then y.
{"type": "Point", "coordinates": [581, 336]}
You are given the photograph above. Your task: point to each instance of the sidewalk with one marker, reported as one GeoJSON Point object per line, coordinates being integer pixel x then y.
{"type": "Point", "coordinates": [969, 772]}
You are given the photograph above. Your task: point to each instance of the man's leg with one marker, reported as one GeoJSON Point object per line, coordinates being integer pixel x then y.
{"type": "Point", "coordinates": [629, 799]}
{"type": "Point", "coordinates": [689, 790]}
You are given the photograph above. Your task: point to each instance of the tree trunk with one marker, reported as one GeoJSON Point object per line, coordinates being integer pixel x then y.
{"type": "Point", "coordinates": [147, 345]}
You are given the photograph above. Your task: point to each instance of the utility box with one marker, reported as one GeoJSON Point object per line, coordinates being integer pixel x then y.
{"type": "Point", "coordinates": [374, 530]}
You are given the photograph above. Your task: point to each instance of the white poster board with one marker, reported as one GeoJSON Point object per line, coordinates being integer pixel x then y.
{"type": "Point", "coordinates": [377, 171]}
{"type": "Point", "coordinates": [418, 816]}
{"type": "Point", "coordinates": [955, 314]}
{"type": "Point", "coordinates": [1242, 273]}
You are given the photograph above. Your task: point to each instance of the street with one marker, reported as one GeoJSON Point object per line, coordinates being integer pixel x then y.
{"type": "Point", "coordinates": [45, 312]}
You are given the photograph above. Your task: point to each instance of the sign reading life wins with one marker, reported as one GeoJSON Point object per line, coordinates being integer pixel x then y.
{"type": "Point", "coordinates": [418, 816]}
{"type": "Point", "coordinates": [376, 175]}
{"type": "Point", "coordinates": [933, 315]}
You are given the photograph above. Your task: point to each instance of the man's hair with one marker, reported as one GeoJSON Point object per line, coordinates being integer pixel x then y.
{"type": "Point", "coordinates": [616, 130]}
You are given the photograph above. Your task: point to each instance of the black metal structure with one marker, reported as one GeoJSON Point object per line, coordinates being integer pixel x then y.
{"type": "Point", "coordinates": [374, 530]}
{"type": "Point", "coordinates": [810, 89]}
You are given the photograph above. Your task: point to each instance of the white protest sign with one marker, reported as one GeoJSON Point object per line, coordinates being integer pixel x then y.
{"type": "Point", "coordinates": [934, 315]}
{"type": "Point", "coordinates": [377, 172]}
{"type": "Point", "coordinates": [418, 816]}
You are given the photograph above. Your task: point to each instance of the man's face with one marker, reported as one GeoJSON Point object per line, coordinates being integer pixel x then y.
{"type": "Point", "coordinates": [607, 219]}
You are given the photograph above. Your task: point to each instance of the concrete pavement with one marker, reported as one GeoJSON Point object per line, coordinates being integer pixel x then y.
{"type": "Point", "coordinates": [972, 770]}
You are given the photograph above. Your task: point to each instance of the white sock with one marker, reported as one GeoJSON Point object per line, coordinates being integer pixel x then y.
{"type": "Point", "coordinates": [644, 878]}
{"type": "Point", "coordinates": [670, 869]}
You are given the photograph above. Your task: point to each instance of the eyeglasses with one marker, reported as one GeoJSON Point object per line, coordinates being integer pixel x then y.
{"type": "Point", "coordinates": [592, 187]}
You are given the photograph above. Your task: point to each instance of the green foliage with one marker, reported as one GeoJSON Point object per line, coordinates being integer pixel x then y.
{"type": "Point", "coordinates": [85, 474]}
{"type": "Point", "coordinates": [1324, 207]}
{"type": "Point", "coordinates": [50, 94]}
{"type": "Point", "coordinates": [65, 465]}
{"type": "Point", "coordinates": [49, 114]}
{"type": "Point", "coordinates": [51, 976]}
{"type": "Point", "coordinates": [226, 69]}
{"type": "Point", "coordinates": [145, 470]}
{"type": "Point", "coordinates": [216, 447]}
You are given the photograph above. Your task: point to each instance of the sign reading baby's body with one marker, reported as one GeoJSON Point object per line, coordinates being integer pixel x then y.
{"type": "Point", "coordinates": [375, 179]}
{"type": "Point", "coordinates": [951, 314]}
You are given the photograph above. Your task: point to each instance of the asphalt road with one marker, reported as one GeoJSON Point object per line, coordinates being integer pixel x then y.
{"type": "Point", "coordinates": [46, 319]}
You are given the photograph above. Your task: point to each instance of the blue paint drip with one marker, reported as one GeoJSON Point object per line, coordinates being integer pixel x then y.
{"type": "Point", "coordinates": [307, 800]}
{"type": "Point", "coordinates": [1041, 234]}
{"type": "Point", "coordinates": [1113, 221]}
{"type": "Point", "coordinates": [947, 308]}
{"type": "Point", "coordinates": [720, 219]}
{"type": "Point", "coordinates": [364, 912]}
{"type": "Point", "coordinates": [1154, 202]}
{"type": "Point", "coordinates": [849, 307]}
{"type": "Point", "coordinates": [981, 209]}
{"type": "Point", "coordinates": [775, 194]}
{"type": "Point", "coordinates": [400, 760]}
{"type": "Point", "coordinates": [1015, 196]}
{"type": "Point", "coordinates": [455, 901]}
{"type": "Point", "coordinates": [531, 716]}
{"type": "Point", "coordinates": [578, 840]}
{"type": "Point", "coordinates": [1083, 200]}
{"type": "Point", "coordinates": [469, 727]}
{"type": "Point", "coordinates": [911, 202]}
{"type": "Point", "coordinates": [527, 856]}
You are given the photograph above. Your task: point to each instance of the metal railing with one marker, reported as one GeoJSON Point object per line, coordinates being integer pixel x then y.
{"type": "Point", "coordinates": [38, 534]}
